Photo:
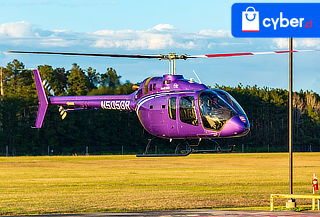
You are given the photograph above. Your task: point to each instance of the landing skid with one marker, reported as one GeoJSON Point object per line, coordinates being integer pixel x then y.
{"type": "Point", "coordinates": [218, 150]}
{"type": "Point", "coordinates": [178, 152]}
{"type": "Point", "coordinates": [184, 149]}
{"type": "Point", "coordinates": [162, 155]}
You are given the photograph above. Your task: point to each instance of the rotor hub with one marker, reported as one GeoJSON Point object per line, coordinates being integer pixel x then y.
{"type": "Point", "coordinates": [173, 56]}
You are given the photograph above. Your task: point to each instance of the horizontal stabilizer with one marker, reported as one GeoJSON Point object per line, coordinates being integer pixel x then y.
{"type": "Point", "coordinates": [63, 112]}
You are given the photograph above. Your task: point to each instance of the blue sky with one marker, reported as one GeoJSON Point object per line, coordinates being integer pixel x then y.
{"type": "Point", "coordinates": [150, 27]}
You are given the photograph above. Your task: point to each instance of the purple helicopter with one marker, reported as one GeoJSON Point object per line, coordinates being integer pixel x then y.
{"type": "Point", "coordinates": [168, 107]}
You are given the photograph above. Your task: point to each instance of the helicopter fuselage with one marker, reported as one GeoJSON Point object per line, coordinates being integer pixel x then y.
{"type": "Point", "coordinates": [168, 107]}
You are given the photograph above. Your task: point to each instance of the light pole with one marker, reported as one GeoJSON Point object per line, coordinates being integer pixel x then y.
{"type": "Point", "coordinates": [291, 203]}
{"type": "Point", "coordinates": [290, 115]}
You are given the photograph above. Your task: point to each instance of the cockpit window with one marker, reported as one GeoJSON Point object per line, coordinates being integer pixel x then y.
{"type": "Point", "coordinates": [214, 111]}
{"type": "Point", "coordinates": [228, 98]}
{"type": "Point", "coordinates": [187, 110]}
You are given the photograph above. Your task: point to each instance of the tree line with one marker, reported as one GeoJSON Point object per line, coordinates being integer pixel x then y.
{"type": "Point", "coordinates": [114, 132]}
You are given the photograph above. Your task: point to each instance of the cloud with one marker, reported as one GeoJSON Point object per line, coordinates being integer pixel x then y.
{"type": "Point", "coordinates": [163, 27]}
{"type": "Point", "coordinates": [152, 39]}
{"type": "Point", "coordinates": [215, 33]}
{"type": "Point", "coordinates": [55, 42]}
{"type": "Point", "coordinates": [281, 43]}
{"type": "Point", "coordinates": [309, 43]}
{"type": "Point", "coordinates": [25, 34]}
{"type": "Point", "coordinates": [161, 37]}
{"type": "Point", "coordinates": [158, 37]}
{"type": "Point", "coordinates": [300, 43]}
{"type": "Point", "coordinates": [16, 30]}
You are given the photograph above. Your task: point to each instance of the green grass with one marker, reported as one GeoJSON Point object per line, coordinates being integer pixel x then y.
{"type": "Point", "coordinates": [36, 185]}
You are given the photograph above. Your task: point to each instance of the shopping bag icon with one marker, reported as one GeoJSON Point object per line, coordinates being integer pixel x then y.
{"type": "Point", "coordinates": [250, 20]}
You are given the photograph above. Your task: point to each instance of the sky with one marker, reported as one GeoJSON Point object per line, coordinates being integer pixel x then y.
{"type": "Point", "coordinates": [151, 27]}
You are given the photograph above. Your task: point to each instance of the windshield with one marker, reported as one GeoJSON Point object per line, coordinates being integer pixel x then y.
{"type": "Point", "coordinates": [214, 111]}
{"type": "Point", "coordinates": [228, 98]}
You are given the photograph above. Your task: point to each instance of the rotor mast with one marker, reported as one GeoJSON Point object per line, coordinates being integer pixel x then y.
{"type": "Point", "coordinates": [172, 57]}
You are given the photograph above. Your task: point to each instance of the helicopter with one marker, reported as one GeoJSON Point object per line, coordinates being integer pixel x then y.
{"type": "Point", "coordinates": [168, 107]}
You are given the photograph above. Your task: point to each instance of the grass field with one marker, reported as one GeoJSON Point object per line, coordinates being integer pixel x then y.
{"type": "Point", "coordinates": [36, 185]}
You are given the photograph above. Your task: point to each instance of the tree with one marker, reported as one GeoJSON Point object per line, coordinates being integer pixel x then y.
{"type": "Point", "coordinates": [78, 82]}
{"type": "Point", "coordinates": [110, 78]}
{"type": "Point", "coordinates": [93, 78]}
{"type": "Point", "coordinates": [18, 81]}
{"type": "Point", "coordinates": [103, 130]}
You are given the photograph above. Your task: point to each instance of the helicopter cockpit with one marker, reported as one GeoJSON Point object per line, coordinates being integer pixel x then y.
{"type": "Point", "coordinates": [232, 101]}
{"type": "Point", "coordinates": [216, 108]}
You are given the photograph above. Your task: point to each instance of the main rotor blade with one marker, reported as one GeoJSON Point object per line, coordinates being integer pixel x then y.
{"type": "Point", "coordinates": [88, 54]}
{"type": "Point", "coordinates": [245, 54]}
{"type": "Point", "coordinates": [170, 56]}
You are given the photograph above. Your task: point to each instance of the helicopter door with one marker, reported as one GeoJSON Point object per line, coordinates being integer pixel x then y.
{"type": "Point", "coordinates": [188, 116]}
{"type": "Point", "coordinates": [172, 112]}
{"type": "Point", "coordinates": [156, 117]}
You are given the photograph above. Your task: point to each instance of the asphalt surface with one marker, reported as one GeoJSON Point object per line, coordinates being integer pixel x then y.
{"type": "Point", "coordinates": [192, 213]}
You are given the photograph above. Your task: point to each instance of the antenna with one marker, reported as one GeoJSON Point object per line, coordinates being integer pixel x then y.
{"type": "Point", "coordinates": [194, 72]}
{"type": "Point", "coordinates": [1, 82]}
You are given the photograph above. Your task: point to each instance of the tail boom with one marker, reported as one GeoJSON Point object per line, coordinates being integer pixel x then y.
{"type": "Point", "coordinates": [116, 102]}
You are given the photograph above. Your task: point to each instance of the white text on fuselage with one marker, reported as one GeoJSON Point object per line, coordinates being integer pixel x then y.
{"type": "Point", "coordinates": [117, 105]}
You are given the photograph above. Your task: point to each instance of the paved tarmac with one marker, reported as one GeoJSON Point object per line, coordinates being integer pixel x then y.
{"type": "Point", "coordinates": [193, 213]}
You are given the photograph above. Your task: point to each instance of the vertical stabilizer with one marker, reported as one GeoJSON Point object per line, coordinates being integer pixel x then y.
{"type": "Point", "coordinates": [43, 101]}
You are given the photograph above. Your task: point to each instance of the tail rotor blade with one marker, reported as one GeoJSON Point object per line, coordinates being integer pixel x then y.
{"type": "Point", "coordinates": [47, 86]}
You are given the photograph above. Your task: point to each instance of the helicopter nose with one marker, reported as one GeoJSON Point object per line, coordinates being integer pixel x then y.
{"type": "Point", "coordinates": [236, 126]}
